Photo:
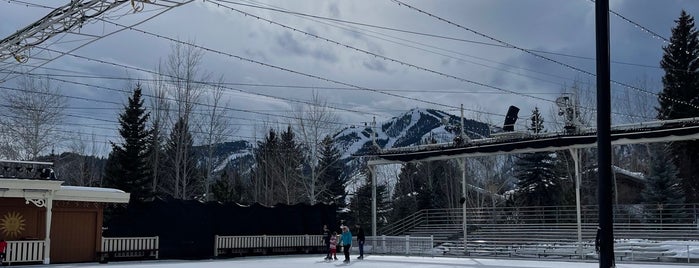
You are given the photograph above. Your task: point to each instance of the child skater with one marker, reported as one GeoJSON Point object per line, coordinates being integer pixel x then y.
{"type": "Point", "coordinates": [333, 246]}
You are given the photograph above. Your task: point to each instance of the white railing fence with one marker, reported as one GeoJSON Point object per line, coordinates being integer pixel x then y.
{"type": "Point", "coordinates": [126, 246]}
{"type": "Point", "coordinates": [264, 242]}
{"type": "Point", "coordinates": [400, 245]}
{"type": "Point", "coordinates": [406, 245]}
{"type": "Point", "coordinates": [24, 251]}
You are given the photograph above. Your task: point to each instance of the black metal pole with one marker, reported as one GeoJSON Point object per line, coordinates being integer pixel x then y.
{"type": "Point", "coordinates": [604, 144]}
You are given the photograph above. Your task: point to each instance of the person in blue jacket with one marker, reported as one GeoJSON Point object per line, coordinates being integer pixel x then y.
{"type": "Point", "coordinates": [346, 242]}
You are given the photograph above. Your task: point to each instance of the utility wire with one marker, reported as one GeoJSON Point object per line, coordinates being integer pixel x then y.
{"type": "Point", "coordinates": [463, 80]}
{"type": "Point", "coordinates": [424, 34]}
{"type": "Point", "coordinates": [384, 57]}
{"type": "Point", "coordinates": [376, 34]}
{"type": "Point", "coordinates": [294, 71]}
{"type": "Point", "coordinates": [92, 76]}
{"type": "Point", "coordinates": [103, 36]}
{"type": "Point", "coordinates": [639, 26]}
{"type": "Point", "coordinates": [540, 56]}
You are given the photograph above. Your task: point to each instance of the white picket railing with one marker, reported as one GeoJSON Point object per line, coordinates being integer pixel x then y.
{"type": "Point", "coordinates": [378, 245]}
{"type": "Point", "coordinates": [400, 245]}
{"type": "Point", "coordinates": [266, 242]}
{"type": "Point", "coordinates": [128, 246]}
{"type": "Point", "coordinates": [24, 251]}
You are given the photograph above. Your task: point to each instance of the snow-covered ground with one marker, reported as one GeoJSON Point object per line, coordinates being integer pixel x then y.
{"type": "Point", "coordinates": [315, 261]}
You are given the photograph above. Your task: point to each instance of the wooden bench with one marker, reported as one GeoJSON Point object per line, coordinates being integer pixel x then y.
{"type": "Point", "coordinates": [128, 248]}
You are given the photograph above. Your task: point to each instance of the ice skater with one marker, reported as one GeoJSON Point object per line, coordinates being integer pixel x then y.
{"type": "Point", "coordinates": [346, 242]}
{"type": "Point", "coordinates": [333, 247]}
{"type": "Point", "coordinates": [326, 240]}
{"type": "Point", "coordinates": [360, 239]}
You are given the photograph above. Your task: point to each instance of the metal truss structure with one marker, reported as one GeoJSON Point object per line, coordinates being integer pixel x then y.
{"type": "Point", "coordinates": [68, 19]}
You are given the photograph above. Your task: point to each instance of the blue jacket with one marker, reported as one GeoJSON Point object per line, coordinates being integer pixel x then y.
{"type": "Point", "coordinates": [347, 238]}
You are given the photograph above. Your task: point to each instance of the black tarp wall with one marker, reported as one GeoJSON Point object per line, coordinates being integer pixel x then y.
{"type": "Point", "coordinates": [186, 229]}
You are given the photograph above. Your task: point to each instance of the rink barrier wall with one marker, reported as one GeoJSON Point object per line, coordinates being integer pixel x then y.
{"type": "Point", "coordinates": [266, 244]}
{"type": "Point", "coordinates": [24, 251]}
{"type": "Point", "coordinates": [129, 247]}
{"type": "Point", "coordinates": [251, 244]}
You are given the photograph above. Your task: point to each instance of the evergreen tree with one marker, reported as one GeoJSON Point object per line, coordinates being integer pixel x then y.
{"type": "Point", "coordinates": [404, 201]}
{"type": "Point", "coordinates": [662, 187]}
{"type": "Point", "coordinates": [331, 175]}
{"type": "Point", "coordinates": [538, 184]}
{"type": "Point", "coordinates": [430, 192]}
{"type": "Point", "coordinates": [229, 187]}
{"type": "Point", "coordinates": [267, 169]}
{"type": "Point", "coordinates": [680, 82]}
{"type": "Point", "coordinates": [290, 164]}
{"type": "Point", "coordinates": [432, 181]}
{"type": "Point", "coordinates": [360, 205]}
{"type": "Point", "coordinates": [537, 122]}
{"type": "Point", "coordinates": [127, 167]}
{"type": "Point", "coordinates": [183, 179]}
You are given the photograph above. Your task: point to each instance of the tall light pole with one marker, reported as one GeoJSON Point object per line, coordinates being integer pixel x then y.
{"type": "Point", "coordinates": [604, 144]}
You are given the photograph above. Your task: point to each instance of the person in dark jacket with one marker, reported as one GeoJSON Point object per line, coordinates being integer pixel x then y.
{"type": "Point", "coordinates": [360, 239]}
{"type": "Point", "coordinates": [326, 238]}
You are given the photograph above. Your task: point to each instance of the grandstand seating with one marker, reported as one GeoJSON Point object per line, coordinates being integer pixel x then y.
{"type": "Point", "coordinates": [551, 231]}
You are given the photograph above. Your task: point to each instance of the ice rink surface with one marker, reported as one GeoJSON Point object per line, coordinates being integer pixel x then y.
{"type": "Point", "coordinates": [306, 261]}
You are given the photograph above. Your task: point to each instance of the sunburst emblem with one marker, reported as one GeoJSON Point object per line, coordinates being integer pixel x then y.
{"type": "Point", "coordinates": [12, 224]}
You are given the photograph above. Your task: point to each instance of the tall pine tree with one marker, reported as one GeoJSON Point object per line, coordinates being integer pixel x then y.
{"type": "Point", "coordinates": [290, 163]}
{"type": "Point", "coordinates": [681, 82]}
{"type": "Point", "coordinates": [662, 188]}
{"type": "Point", "coordinates": [331, 174]}
{"type": "Point", "coordinates": [538, 182]}
{"type": "Point", "coordinates": [360, 205]}
{"type": "Point", "coordinates": [229, 187]}
{"type": "Point", "coordinates": [267, 169]}
{"type": "Point", "coordinates": [183, 175]}
{"type": "Point", "coordinates": [127, 167]}
{"type": "Point", "coordinates": [537, 122]}
{"type": "Point", "coordinates": [404, 201]}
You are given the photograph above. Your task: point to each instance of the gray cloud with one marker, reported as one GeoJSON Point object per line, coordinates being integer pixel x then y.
{"type": "Point", "coordinates": [549, 25]}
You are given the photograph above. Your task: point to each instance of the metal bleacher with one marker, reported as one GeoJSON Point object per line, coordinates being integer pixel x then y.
{"type": "Point", "coordinates": [552, 231]}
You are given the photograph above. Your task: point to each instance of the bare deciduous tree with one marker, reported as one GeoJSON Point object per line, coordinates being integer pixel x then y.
{"type": "Point", "coordinates": [34, 113]}
{"type": "Point", "coordinates": [79, 166]}
{"type": "Point", "coordinates": [215, 129]}
{"type": "Point", "coordinates": [8, 145]}
{"type": "Point", "coordinates": [160, 108]}
{"type": "Point", "coordinates": [313, 123]}
{"type": "Point", "coordinates": [183, 67]}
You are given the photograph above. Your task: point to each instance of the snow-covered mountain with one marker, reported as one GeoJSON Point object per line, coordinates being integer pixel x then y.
{"type": "Point", "coordinates": [236, 154]}
{"type": "Point", "coordinates": [408, 129]}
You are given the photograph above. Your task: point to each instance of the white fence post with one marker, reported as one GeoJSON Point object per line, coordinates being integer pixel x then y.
{"type": "Point", "coordinates": [407, 245]}
{"type": "Point", "coordinates": [383, 244]}
{"type": "Point", "coordinates": [215, 245]}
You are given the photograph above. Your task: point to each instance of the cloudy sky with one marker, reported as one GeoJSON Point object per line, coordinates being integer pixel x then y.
{"type": "Point", "coordinates": [366, 58]}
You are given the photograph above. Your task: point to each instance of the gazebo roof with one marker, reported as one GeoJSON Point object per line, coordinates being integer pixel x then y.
{"type": "Point", "coordinates": [31, 189]}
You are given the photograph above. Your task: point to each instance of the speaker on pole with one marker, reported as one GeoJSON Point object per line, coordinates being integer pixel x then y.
{"type": "Point", "coordinates": [510, 119]}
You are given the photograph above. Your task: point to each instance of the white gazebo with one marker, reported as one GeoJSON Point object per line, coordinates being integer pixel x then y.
{"type": "Point", "coordinates": [43, 192]}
